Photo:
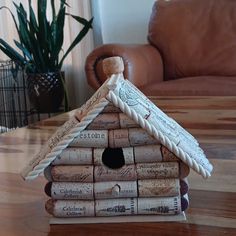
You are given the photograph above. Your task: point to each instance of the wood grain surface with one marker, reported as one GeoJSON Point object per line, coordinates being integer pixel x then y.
{"type": "Point", "coordinates": [212, 211]}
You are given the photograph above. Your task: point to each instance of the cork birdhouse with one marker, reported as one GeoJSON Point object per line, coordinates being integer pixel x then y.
{"type": "Point", "coordinates": [118, 159]}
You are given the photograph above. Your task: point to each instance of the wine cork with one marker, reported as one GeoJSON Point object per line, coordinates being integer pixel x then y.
{"type": "Point", "coordinates": [184, 202]}
{"type": "Point", "coordinates": [115, 189]}
{"type": "Point", "coordinates": [148, 153]}
{"type": "Point", "coordinates": [105, 121]}
{"type": "Point", "coordinates": [157, 170]}
{"type": "Point", "coordinates": [116, 207]}
{"type": "Point", "coordinates": [138, 136]}
{"type": "Point", "coordinates": [184, 170]}
{"type": "Point", "coordinates": [69, 190]}
{"type": "Point", "coordinates": [167, 155]}
{"type": "Point", "coordinates": [159, 206]}
{"type": "Point", "coordinates": [113, 153]}
{"type": "Point", "coordinates": [74, 156]}
{"type": "Point", "coordinates": [119, 138]}
{"type": "Point", "coordinates": [113, 65]}
{"type": "Point", "coordinates": [103, 173]}
{"type": "Point", "coordinates": [110, 108]}
{"type": "Point", "coordinates": [71, 173]}
{"type": "Point", "coordinates": [91, 138]}
{"type": "Point", "coordinates": [126, 122]}
{"type": "Point", "coordinates": [158, 187]}
{"type": "Point", "coordinates": [184, 186]}
{"type": "Point", "coordinates": [70, 208]}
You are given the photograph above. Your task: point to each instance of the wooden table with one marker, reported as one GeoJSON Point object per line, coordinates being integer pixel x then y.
{"type": "Point", "coordinates": [212, 202]}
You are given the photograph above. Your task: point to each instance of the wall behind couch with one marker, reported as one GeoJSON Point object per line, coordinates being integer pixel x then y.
{"type": "Point", "coordinates": [123, 21]}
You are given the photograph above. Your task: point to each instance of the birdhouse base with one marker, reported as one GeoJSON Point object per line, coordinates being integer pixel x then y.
{"type": "Point", "coordinates": [118, 219]}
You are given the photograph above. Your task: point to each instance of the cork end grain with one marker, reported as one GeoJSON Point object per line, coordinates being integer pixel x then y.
{"type": "Point", "coordinates": [113, 65]}
{"type": "Point", "coordinates": [49, 206]}
{"type": "Point", "coordinates": [47, 189]}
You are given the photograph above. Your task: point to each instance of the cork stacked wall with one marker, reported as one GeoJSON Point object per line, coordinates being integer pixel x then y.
{"type": "Point", "coordinates": [114, 168]}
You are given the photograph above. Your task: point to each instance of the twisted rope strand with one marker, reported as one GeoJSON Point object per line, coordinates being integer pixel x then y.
{"type": "Point", "coordinates": [157, 134]}
{"type": "Point", "coordinates": [67, 139]}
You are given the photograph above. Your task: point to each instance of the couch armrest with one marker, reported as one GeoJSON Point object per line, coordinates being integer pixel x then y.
{"type": "Point", "coordinates": [143, 64]}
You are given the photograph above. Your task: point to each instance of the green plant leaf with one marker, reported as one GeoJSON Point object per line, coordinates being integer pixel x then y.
{"type": "Point", "coordinates": [32, 22]}
{"type": "Point", "coordinates": [79, 19]}
{"type": "Point", "coordinates": [58, 33]}
{"type": "Point", "coordinates": [11, 52]}
{"type": "Point", "coordinates": [78, 38]}
{"type": "Point", "coordinates": [23, 49]}
{"type": "Point", "coordinates": [65, 3]}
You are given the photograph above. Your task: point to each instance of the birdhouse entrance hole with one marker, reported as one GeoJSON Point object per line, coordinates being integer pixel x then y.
{"type": "Point", "coordinates": [113, 158]}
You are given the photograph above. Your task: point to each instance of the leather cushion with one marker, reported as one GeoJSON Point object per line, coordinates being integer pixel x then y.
{"type": "Point", "coordinates": [195, 37]}
{"type": "Point", "coordinates": [193, 86]}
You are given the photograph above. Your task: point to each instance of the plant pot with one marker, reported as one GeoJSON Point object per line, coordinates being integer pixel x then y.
{"type": "Point", "coordinates": [46, 91]}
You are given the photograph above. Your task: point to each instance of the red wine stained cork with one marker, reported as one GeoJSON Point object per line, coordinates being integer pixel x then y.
{"type": "Point", "coordinates": [184, 186]}
{"type": "Point", "coordinates": [103, 173]}
{"type": "Point", "coordinates": [110, 108]}
{"type": "Point", "coordinates": [184, 202]}
{"type": "Point", "coordinates": [157, 170]}
{"type": "Point", "coordinates": [147, 153]}
{"type": "Point", "coordinates": [71, 173]}
{"type": "Point", "coordinates": [158, 187]}
{"type": "Point", "coordinates": [105, 121]}
{"type": "Point", "coordinates": [167, 155]}
{"type": "Point", "coordinates": [184, 170]}
{"type": "Point", "coordinates": [47, 173]}
{"type": "Point", "coordinates": [113, 65]}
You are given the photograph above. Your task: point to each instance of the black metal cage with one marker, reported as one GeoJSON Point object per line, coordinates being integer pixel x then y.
{"type": "Point", "coordinates": [14, 104]}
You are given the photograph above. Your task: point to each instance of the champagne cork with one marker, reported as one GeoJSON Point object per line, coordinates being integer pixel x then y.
{"type": "Point", "coordinates": [91, 138]}
{"type": "Point", "coordinates": [158, 187]}
{"type": "Point", "coordinates": [70, 173]}
{"type": "Point", "coordinates": [115, 189]}
{"type": "Point", "coordinates": [157, 170]}
{"type": "Point", "coordinates": [103, 173]}
{"type": "Point", "coordinates": [119, 138]}
{"type": "Point", "coordinates": [74, 156]}
{"type": "Point", "coordinates": [69, 190]}
{"type": "Point", "coordinates": [116, 207]}
{"type": "Point", "coordinates": [113, 153]}
{"type": "Point", "coordinates": [148, 153]}
{"type": "Point", "coordinates": [139, 136]}
{"type": "Point", "coordinates": [126, 122]}
{"type": "Point", "coordinates": [110, 108]}
{"type": "Point", "coordinates": [167, 155]}
{"type": "Point", "coordinates": [105, 121]}
{"type": "Point", "coordinates": [70, 208]}
{"type": "Point", "coordinates": [159, 206]}
{"type": "Point", "coordinates": [113, 65]}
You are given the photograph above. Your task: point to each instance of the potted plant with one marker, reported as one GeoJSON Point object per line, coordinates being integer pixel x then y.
{"type": "Point", "coordinates": [41, 55]}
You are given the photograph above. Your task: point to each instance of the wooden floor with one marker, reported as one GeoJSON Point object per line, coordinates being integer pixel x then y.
{"type": "Point", "coordinates": [212, 202]}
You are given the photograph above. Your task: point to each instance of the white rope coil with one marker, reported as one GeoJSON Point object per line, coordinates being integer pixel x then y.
{"type": "Point", "coordinates": [157, 134]}
{"type": "Point", "coordinates": [67, 139]}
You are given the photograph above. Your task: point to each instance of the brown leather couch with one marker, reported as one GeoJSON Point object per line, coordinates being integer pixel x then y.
{"type": "Point", "coordinates": [191, 50]}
